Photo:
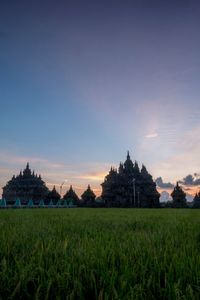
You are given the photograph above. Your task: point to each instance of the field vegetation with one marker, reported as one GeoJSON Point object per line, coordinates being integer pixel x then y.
{"type": "Point", "coordinates": [99, 254]}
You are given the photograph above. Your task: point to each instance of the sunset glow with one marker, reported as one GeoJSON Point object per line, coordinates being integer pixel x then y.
{"type": "Point", "coordinates": [81, 84]}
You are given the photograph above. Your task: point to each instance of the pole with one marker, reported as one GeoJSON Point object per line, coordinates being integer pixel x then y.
{"type": "Point", "coordinates": [61, 191]}
{"type": "Point", "coordinates": [61, 187]}
{"type": "Point", "coordinates": [134, 191]}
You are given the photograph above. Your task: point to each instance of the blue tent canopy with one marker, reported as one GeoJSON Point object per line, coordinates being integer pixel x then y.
{"type": "Point", "coordinates": [30, 203]}
{"type": "Point", "coordinates": [51, 203]}
{"type": "Point", "coordinates": [59, 203]}
{"type": "Point", "coordinates": [3, 203]}
{"type": "Point", "coordinates": [17, 203]}
{"type": "Point", "coordinates": [41, 204]}
{"type": "Point", "coordinates": [65, 203]}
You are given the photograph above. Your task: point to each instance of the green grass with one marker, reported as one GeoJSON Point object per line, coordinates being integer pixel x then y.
{"type": "Point", "coordinates": [100, 254]}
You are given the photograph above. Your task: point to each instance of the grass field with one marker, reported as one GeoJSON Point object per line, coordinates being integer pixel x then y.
{"type": "Point", "coordinates": [100, 254]}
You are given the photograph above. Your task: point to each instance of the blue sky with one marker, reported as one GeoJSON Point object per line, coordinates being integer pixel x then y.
{"type": "Point", "coordinates": [82, 82]}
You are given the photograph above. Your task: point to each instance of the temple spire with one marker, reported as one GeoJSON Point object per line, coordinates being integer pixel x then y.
{"type": "Point", "coordinates": [27, 171]}
{"type": "Point", "coordinates": [121, 168]}
{"type": "Point", "coordinates": [128, 166]}
{"type": "Point", "coordinates": [128, 155]}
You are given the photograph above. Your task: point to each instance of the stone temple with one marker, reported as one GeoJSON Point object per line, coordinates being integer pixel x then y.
{"type": "Point", "coordinates": [25, 186]}
{"type": "Point", "coordinates": [129, 187]}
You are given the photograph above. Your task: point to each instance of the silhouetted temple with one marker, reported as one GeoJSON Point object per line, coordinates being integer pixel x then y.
{"type": "Point", "coordinates": [179, 197]}
{"type": "Point", "coordinates": [71, 196]}
{"type": "Point", "coordinates": [196, 201]}
{"type": "Point", "coordinates": [53, 196]}
{"type": "Point", "coordinates": [88, 197]}
{"type": "Point", "coordinates": [26, 186]}
{"type": "Point", "coordinates": [129, 187]}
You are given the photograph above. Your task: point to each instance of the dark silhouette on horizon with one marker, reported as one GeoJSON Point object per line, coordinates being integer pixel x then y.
{"type": "Point", "coordinates": [179, 197]}
{"type": "Point", "coordinates": [196, 201]}
{"type": "Point", "coordinates": [126, 187]}
{"type": "Point", "coordinates": [71, 196]}
{"type": "Point", "coordinates": [88, 197]}
{"type": "Point", "coordinates": [25, 186]}
{"type": "Point", "coordinates": [130, 187]}
{"type": "Point", "coordinates": [53, 196]}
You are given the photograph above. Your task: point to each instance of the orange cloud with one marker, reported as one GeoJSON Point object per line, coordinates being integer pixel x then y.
{"type": "Point", "coordinates": [93, 176]}
{"type": "Point", "coordinates": [54, 173]}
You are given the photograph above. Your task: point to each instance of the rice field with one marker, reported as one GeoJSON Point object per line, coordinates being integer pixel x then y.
{"type": "Point", "coordinates": [87, 253]}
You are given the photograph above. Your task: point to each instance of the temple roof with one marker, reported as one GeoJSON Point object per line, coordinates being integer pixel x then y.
{"type": "Point", "coordinates": [88, 194]}
{"type": "Point", "coordinates": [128, 164]}
{"type": "Point", "coordinates": [53, 194]}
{"type": "Point", "coordinates": [27, 171]}
{"type": "Point", "coordinates": [70, 194]}
{"type": "Point", "coordinates": [26, 185]}
{"type": "Point", "coordinates": [25, 178]}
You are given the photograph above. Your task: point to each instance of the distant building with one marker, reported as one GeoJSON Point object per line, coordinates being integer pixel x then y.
{"type": "Point", "coordinates": [129, 187]}
{"type": "Point", "coordinates": [88, 197]}
{"type": "Point", "coordinates": [53, 197]}
{"type": "Point", "coordinates": [71, 197]}
{"type": "Point", "coordinates": [26, 186]}
{"type": "Point", "coordinates": [179, 197]}
{"type": "Point", "coordinates": [196, 201]}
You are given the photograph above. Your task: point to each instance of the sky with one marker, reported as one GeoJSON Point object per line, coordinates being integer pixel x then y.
{"type": "Point", "coordinates": [82, 82]}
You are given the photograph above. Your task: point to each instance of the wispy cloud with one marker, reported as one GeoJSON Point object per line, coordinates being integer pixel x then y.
{"type": "Point", "coordinates": [184, 161]}
{"type": "Point", "coordinates": [15, 160]}
{"type": "Point", "coordinates": [54, 173]}
{"type": "Point", "coordinates": [93, 176]}
{"type": "Point", "coordinates": [151, 135]}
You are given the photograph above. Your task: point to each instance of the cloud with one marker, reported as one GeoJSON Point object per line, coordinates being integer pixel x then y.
{"type": "Point", "coordinates": [184, 157]}
{"type": "Point", "coordinates": [94, 176]}
{"type": "Point", "coordinates": [190, 187]}
{"type": "Point", "coordinates": [16, 160]}
{"type": "Point", "coordinates": [161, 184]}
{"type": "Point", "coordinates": [151, 135]}
{"type": "Point", "coordinates": [189, 197]}
{"type": "Point", "coordinates": [165, 196]}
{"type": "Point", "coordinates": [79, 175]}
{"type": "Point", "coordinates": [190, 180]}
{"type": "Point", "coordinates": [187, 189]}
